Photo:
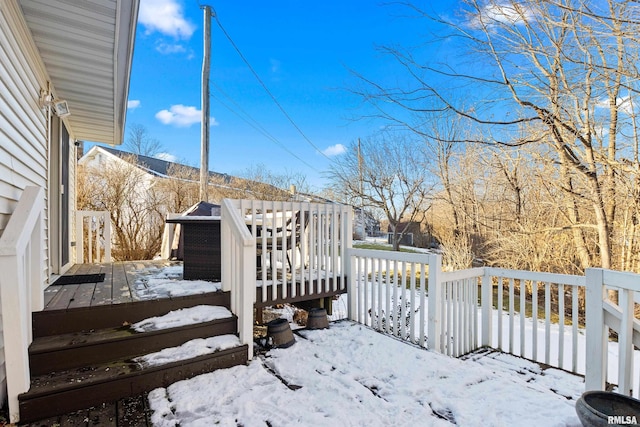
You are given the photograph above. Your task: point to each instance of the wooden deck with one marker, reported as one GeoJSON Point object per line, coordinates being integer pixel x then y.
{"type": "Point", "coordinates": [116, 288]}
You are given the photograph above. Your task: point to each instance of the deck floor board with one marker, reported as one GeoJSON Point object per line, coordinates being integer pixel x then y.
{"type": "Point", "coordinates": [116, 287]}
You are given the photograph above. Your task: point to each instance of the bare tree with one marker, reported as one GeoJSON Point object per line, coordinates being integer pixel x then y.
{"type": "Point", "coordinates": [559, 75]}
{"type": "Point", "coordinates": [140, 143]}
{"type": "Point", "coordinates": [134, 204]}
{"type": "Point", "coordinates": [388, 173]}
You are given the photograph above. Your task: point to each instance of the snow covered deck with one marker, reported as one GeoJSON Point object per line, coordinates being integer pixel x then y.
{"type": "Point", "coordinates": [131, 281]}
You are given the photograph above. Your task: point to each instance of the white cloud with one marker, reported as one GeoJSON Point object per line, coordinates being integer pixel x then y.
{"type": "Point", "coordinates": [504, 13]}
{"type": "Point", "coordinates": [334, 150]}
{"type": "Point", "coordinates": [625, 105]}
{"type": "Point", "coordinates": [166, 17]}
{"type": "Point", "coordinates": [275, 65]}
{"type": "Point", "coordinates": [182, 116]}
{"type": "Point", "coordinates": [167, 157]}
{"type": "Point", "coordinates": [132, 104]}
{"type": "Point", "coordinates": [169, 48]}
{"type": "Point", "coordinates": [179, 115]}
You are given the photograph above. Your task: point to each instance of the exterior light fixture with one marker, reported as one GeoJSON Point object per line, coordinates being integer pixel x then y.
{"type": "Point", "coordinates": [62, 108]}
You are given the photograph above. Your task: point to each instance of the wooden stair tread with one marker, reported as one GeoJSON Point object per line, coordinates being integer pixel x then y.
{"type": "Point", "coordinates": [57, 393]}
{"type": "Point", "coordinates": [55, 322]}
{"type": "Point", "coordinates": [98, 336]}
{"type": "Point", "coordinates": [73, 378]}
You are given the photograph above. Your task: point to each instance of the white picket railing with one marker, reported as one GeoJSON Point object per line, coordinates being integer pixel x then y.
{"type": "Point", "coordinates": [457, 312]}
{"type": "Point", "coordinates": [297, 242]}
{"type": "Point", "coordinates": [604, 314]}
{"type": "Point", "coordinates": [387, 292]}
{"type": "Point", "coordinates": [93, 236]}
{"type": "Point", "coordinates": [21, 289]}
{"type": "Point", "coordinates": [238, 266]}
{"type": "Point", "coordinates": [529, 337]}
{"type": "Point", "coordinates": [456, 299]}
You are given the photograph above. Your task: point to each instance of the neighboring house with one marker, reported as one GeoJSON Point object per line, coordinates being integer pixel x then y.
{"type": "Point", "coordinates": [53, 51]}
{"type": "Point", "coordinates": [365, 222]}
{"type": "Point", "coordinates": [222, 184]}
{"type": "Point", "coordinates": [155, 167]}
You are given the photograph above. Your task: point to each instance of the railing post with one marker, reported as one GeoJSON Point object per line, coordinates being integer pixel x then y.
{"type": "Point", "coordinates": [352, 283]}
{"type": "Point", "coordinates": [167, 236]}
{"type": "Point", "coordinates": [487, 307]}
{"type": "Point", "coordinates": [596, 339]}
{"type": "Point", "coordinates": [625, 342]}
{"type": "Point", "coordinates": [225, 255]}
{"type": "Point", "coordinates": [22, 267]}
{"type": "Point", "coordinates": [248, 295]}
{"type": "Point", "coordinates": [435, 297]}
{"type": "Point", "coordinates": [107, 236]}
{"type": "Point", "coordinates": [79, 237]}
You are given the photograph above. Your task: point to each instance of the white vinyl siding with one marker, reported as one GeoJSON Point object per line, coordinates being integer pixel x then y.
{"type": "Point", "coordinates": [23, 125]}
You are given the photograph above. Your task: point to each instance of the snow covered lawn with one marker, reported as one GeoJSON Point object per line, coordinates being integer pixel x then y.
{"type": "Point", "coordinates": [350, 375]}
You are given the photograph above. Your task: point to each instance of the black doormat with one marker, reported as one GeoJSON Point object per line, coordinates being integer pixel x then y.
{"type": "Point", "coordinates": [77, 279]}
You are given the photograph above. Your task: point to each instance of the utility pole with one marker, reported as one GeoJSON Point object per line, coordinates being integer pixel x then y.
{"type": "Point", "coordinates": [204, 131]}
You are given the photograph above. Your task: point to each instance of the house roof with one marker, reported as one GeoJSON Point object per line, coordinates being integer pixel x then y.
{"type": "Point", "coordinates": [87, 49]}
{"type": "Point", "coordinates": [158, 167]}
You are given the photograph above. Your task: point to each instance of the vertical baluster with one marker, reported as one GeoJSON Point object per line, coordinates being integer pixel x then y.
{"type": "Point", "coordinates": [523, 293]}
{"type": "Point", "coordinates": [368, 313]}
{"type": "Point", "coordinates": [359, 290]}
{"type": "Point", "coordinates": [500, 305]}
{"type": "Point", "coordinates": [412, 309]}
{"type": "Point", "coordinates": [295, 224]}
{"type": "Point", "coordinates": [449, 333]}
{"type": "Point", "coordinates": [381, 286]}
{"type": "Point", "coordinates": [534, 315]}
{"type": "Point", "coordinates": [403, 306]}
{"type": "Point", "coordinates": [547, 322]}
{"type": "Point", "coordinates": [575, 320]}
{"type": "Point", "coordinates": [511, 313]}
{"type": "Point", "coordinates": [394, 308]}
{"type": "Point", "coordinates": [304, 225]}
{"type": "Point", "coordinates": [90, 238]}
{"type": "Point", "coordinates": [335, 232]}
{"type": "Point", "coordinates": [282, 224]}
{"type": "Point", "coordinates": [373, 283]}
{"type": "Point", "coordinates": [455, 333]}
{"type": "Point", "coordinates": [423, 303]}
{"type": "Point", "coordinates": [561, 325]}
{"type": "Point", "coordinates": [388, 292]}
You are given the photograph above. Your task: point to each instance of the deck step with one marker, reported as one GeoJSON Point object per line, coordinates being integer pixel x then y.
{"type": "Point", "coordinates": [66, 391]}
{"type": "Point", "coordinates": [55, 322]}
{"type": "Point", "coordinates": [74, 350]}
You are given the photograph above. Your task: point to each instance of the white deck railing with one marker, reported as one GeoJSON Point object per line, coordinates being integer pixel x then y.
{"type": "Point", "coordinates": [21, 289]}
{"type": "Point", "coordinates": [546, 299]}
{"type": "Point", "coordinates": [604, 314]}
{"type": "Point", "coordinates": [539, 316]}
{"type": "Point", "coordinates": [239, 269]}
{"type": "Point", "coordinates": [93, 237]}
{"type": "Point", "coordinates": [296, 242]}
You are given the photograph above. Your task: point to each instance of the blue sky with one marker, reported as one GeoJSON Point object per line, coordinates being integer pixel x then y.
{"type": "Point", "coordinates": [302, 51]}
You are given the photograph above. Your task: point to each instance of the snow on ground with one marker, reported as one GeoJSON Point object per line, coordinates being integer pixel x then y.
{"type": "Point", "coordinates": [188, 350]}
{"type": "Point", "coordinates": [182, 317]}
{"type": "Point", "coordinates": [350, 375]}
{"type": "Point", "coordinates": [167, 282]}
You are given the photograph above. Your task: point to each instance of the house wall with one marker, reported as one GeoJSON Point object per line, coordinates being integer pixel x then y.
{"type": "Point", "coordinates": [23, 126]}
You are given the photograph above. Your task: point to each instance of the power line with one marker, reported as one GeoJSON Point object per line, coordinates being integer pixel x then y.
{"type": "Point", "coordinates": [264, 86]}
{"type": "Point", "coordinates": [255, 124]}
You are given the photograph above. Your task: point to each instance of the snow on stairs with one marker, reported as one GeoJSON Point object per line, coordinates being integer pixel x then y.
{"type": "Point", "coordinates": [83, 357]}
